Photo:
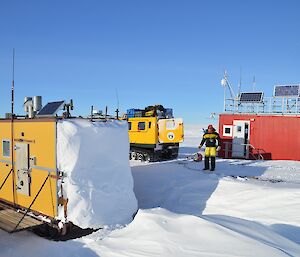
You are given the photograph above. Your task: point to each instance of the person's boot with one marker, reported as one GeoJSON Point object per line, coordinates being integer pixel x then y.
{"type": "Point", "coordinates": [213, 163]}
{"type": "Point", "coordinates": [206, 163]}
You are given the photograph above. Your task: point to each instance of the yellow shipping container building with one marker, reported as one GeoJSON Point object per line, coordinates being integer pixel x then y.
{"type": "Point", "coordinates": [28, 174]}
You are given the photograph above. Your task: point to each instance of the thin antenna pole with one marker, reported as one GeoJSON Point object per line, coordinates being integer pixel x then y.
{"type": "Point", "coordinates": [117, 111]}
{"type": "Point", "coordinates": [226, 82]}
{"type": "Point", "coordinates": [240, 82]}
{"type": "Point", "coordinates": [12, 126]}
{"type": "Point", "coordinates": [117, 95]}
{"type": "Point", "coordinates": [254, 83]}
{"type": "Point", "coordinates": [225, 99]}
{"type": "Point", "coordinates": [13, 85]}
{"type": "Point", "coordinates": [225, 91]}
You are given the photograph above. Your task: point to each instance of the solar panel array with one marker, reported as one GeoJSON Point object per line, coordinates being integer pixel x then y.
{"type": "Point", "coordinates": [50, 109]}
{"type": "Point", "coordinates": [286, 90]}
{"type": "Point", "coordinates": [251, 97]}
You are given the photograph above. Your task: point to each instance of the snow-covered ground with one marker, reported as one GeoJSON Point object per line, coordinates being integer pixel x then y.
{"type": "Point", "coordinates": [246, 208]}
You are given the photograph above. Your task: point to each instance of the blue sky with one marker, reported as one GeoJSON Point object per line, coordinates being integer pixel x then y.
{"type": "Point", "coordinates": [167, 52]}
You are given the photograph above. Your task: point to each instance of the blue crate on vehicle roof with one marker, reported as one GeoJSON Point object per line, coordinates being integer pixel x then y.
{"type": "Point", "coordinates": [169, 113]}
{"type": "Point", "coordinates": [130, 111]}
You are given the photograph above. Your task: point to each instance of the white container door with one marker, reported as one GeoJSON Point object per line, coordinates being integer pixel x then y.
{"type": "Point", "coordinates": [22, 166]}
{"type": "Point", "coordinates": [241, 132]}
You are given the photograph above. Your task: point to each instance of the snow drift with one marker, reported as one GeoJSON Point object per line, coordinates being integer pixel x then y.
{"type": "Point", "coordinates": [98, 183]}
{"type": "Point", "coordinates": [158, 232]}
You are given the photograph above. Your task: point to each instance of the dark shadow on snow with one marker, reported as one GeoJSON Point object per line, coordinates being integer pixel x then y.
{"type": "Point", "coordinates": [259, 232]}
{"type": "Point", "coordinates": [181, 186]}
{"type": "Point", "coordinates": [289, 231]}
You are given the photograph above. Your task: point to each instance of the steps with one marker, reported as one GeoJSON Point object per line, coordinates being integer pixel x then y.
{"type": "Point", "coordinates": [9, 219]}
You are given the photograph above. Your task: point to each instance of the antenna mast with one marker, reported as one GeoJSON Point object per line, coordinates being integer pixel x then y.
{"type": "Point", "coordinates": [13, 86]}
{"type": "Point", "coordinates": [240, 82]}
{"type": "Point", "coordinates": [12, 127]}
{"type": "Point", "coordinates": [225, 82]}
{"type": "Point", "coordinates": [117, 111]}
{"type": "Point", "coordinates": [254, 84]}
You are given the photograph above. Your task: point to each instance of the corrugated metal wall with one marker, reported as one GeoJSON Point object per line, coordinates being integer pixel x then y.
{"type": "Point", "coordinates": [277, 136]}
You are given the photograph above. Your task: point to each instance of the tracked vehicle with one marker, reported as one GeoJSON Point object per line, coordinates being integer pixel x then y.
{"type": "Point", "coordinates": [154, 133]}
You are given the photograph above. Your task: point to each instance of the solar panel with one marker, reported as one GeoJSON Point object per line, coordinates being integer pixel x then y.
{"type": "Point", "coordinates": [50, 109]}
{"type": "Point", "coordinates": [251, 97]}
{"type": "Point", "coordinates": [286, 90]}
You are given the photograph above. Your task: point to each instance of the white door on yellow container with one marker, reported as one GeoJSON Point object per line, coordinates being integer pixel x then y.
{"type": "Point", "coordinates": [170, 130]}
{"type": "Point", "coordinates": [22, 167]}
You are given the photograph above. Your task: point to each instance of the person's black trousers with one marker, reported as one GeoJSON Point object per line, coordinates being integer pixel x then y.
{"type": "Point", "coordinates": [212, 163]}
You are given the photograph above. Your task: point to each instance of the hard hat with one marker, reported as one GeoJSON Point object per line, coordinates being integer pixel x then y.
{"type": "Point", "coordinates": [210, 126]}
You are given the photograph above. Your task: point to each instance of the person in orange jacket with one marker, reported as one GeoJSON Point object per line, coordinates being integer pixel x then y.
{"type": "Point", "coordinates": [211, 140]}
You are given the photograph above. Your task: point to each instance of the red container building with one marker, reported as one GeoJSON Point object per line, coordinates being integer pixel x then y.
{"type": "Point", "coordinates": [254, 127]}
{"type": "Point", "coordinates": [258, 136]}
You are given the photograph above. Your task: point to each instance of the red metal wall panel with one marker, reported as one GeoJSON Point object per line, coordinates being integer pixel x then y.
{"type": "Point", "coordinates": [277, 136]}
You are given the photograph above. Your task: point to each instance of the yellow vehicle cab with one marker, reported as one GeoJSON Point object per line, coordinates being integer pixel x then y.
{"type": "Point", "coordinates": [154, 134]}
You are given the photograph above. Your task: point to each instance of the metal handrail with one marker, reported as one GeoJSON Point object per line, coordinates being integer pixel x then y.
{"type": "Point", "coordinates": [227, 150]}
{"type": "Point", "coordinates": [257, 149]}
{"type": "Point", "coordinates": [269, 105]}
